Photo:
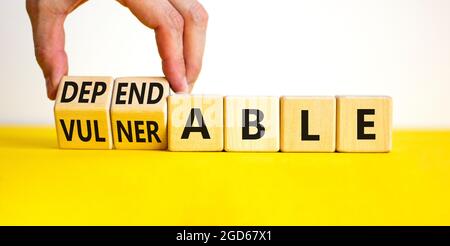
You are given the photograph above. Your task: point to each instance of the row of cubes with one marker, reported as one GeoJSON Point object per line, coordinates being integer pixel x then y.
{"type": "Point", "coordinates": [140, 113]}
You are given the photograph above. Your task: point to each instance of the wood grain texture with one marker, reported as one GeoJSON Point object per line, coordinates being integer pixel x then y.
{"type": "Point", "coordinates": [139, 112]}
{"type": "Point", "coordinates": [376, 109]}
{"type": "Point", "coordinates": [234, 122]}
{"type": "Point", "coordinates": [320, 115]}
{"type": "Point", "coordinates": [209, 114]}
{"type": "Point", "coordinates": [82, 116]}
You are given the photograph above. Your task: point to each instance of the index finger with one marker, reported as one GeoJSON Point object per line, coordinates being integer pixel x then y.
{"type": "Point", "coordinates": [195, 24]}
{"type": "Point", "coordinates": [168, 24]}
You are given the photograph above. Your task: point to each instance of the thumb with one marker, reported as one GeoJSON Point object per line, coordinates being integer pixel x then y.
{"type": "Point", "coordinates": [48, 37]}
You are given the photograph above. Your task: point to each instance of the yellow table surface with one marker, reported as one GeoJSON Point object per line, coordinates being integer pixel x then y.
{"type": "Point", "coordinates": [43, 185]}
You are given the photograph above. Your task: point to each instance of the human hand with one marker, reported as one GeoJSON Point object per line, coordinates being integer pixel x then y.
{"type": "Point", "coordinates": [180, 28]}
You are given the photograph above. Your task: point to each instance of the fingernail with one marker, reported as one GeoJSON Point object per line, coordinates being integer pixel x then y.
{"type": "Point", "coordinates": [185, 86]}
{"type": "Point", "coordinates": [191, 87]}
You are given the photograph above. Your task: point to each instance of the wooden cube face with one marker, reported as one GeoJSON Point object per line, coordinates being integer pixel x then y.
{"type": "Point", "coordinates": [364, 124]}
{"type": "Point", "coordinates": [195, 123]}
{"type": "Point", "coordinates": [82, 115]}
{"type": "Point", "coordinates": [252, 124]}
{"type": "Point", "coordinates": [308, 124]}
{"type": "Point", "coordinates": [139, 113]}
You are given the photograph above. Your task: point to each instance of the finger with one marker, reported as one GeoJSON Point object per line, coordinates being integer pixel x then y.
{"type": "Point", "coordinates": [47, 20]}
{"type": "Point", "coordinates": [195, 24]}
{"type": "Point", "coordinates": [168, 24]}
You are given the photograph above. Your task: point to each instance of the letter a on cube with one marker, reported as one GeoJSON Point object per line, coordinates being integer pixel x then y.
{"type": "Point", "coordinates": [252, 124]}
{"type": "Point", "coordinates": [139, 113]}
{"type": "Point", "coordinates": [195, 123]}
{"type": "Point", "coordinates": [82, 115]}
{"type": "Point", "coordinates": [364, 124]}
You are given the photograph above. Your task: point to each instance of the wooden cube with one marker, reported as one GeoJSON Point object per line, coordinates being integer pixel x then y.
{"type": "Point", "coordinates": [252, 124]}
{"type": "Point", "coordinates": [364, 124]}
{"type": "Point", "coordinates": [195, 123]}
{"type": "Point", "coordinates": [308, 124]}
{"type": "Point", "coordinates": [139, 113]}
{"type": "Point", "coordinates": [82, 115]}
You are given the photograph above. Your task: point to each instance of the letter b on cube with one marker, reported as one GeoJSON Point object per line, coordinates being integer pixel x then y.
{"type": "Point", "coordinates": [252, 124]}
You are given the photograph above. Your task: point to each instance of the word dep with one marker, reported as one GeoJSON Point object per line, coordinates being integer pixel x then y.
{"type": "Point", "coordinates": [139, 113]}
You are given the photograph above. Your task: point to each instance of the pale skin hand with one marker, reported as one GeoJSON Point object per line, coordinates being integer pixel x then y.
{"type": "Point", "coordinates": [180, 28]}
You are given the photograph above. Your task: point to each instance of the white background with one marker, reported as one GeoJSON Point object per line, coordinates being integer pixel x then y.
{"type": "Point", "coordinates": [399, 48]}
